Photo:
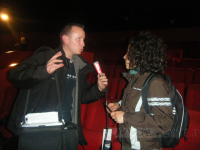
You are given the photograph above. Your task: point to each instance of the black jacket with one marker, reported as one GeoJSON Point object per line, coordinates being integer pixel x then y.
{"type": "Point", "coordinates": [32, 74]}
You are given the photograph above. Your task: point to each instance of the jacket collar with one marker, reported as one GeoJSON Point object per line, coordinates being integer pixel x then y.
{"type": "Point", "coordinates": [79, 61]}
{"type": "Point", "coordinates": [132, 77]}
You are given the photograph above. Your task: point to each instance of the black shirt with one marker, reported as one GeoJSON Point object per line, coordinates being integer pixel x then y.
{"type": "Point", "coordinates": [68, 99]}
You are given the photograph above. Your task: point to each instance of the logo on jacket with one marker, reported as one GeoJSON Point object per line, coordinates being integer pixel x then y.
{"type": "Point", "coordinates": [69, 76]}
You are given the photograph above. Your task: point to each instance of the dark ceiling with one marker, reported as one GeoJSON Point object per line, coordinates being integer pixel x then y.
{"type": "Point", "coordinates": [51, 15]}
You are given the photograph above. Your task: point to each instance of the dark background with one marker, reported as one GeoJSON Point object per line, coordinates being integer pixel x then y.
{"type": "Point", "coordinates": [97, 16]}
{"type": "Point", "coordinates": [108, 24]}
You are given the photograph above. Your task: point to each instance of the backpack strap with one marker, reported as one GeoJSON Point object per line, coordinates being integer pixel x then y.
{"type": "Point", "coordinates": [59, 108]}
{"type": "Point", "coordinates": [145, 89]}
{"type": "Point", "coordinates": [172, 88]}
{"type": "Point", "coordinates": [168, 79]}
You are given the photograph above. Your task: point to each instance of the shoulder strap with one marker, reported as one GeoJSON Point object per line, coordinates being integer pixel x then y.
{"type": "Point", "coordinates": [145, 90]}
{"type": "Point", "coordinates": [168, 79]}
{"type": "Point", "coordinates": [172, 88]}
{"type": "Point", "coordinates": [58, 91]}
{"type": "Point", "coordinates": [26, 105]}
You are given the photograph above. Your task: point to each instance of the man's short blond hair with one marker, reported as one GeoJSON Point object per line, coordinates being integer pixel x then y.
{"type": "Point", "coordinates": [67, 29]}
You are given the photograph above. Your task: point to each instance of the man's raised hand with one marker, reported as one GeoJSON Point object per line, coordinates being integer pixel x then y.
{"type": "Point", "coordinates": [53, 64]}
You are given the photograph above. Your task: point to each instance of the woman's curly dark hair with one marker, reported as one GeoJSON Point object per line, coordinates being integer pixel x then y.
{"type": "Point", "coordinates": [147, 52]}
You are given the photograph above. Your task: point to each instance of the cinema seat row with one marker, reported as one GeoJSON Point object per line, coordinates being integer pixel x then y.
{"type": "Point", "coordinates": [180, 75]}
{"type": "Point", "coordinates": [184, 63]}
{"type": "Point", "coordinates": [174, 59]}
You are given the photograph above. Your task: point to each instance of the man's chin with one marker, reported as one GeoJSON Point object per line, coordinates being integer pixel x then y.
{"type": "Point", "coordinates": [78, 53]}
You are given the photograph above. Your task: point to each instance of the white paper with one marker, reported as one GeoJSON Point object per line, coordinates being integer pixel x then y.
{"type": "Point", "coordinates": [42, 124]}
{"type": "Point", "coordinates": [41, 118]}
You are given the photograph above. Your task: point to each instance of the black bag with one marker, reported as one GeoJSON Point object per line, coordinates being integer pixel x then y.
{"type": "Point", "coordinates": [40, 138]}
{"type": "Point", "coordinates": [70, 137]}
{"type": "Point", "coordinates": [49, 137]}
{"type": "Point", "coordinates": [181, 115]}
{"type": "Point", "coordinates": [57, 137]}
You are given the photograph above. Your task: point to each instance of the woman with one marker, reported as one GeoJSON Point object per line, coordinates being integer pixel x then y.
{"type": "Point", "coordinates": [138, 130]}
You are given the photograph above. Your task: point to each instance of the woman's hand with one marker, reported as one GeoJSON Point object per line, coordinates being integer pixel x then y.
{"type": "Point", "coordinates": [118, 116]}
{"type": "Point", "coordinates": [113, 107]}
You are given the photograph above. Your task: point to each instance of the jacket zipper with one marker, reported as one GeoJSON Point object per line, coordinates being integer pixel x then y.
{"type": "Point", "coordinates": [130, 90]}
{"type": "Point", "coordinates": [120, 132]}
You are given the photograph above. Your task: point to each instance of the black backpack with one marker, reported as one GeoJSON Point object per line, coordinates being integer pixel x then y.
{"type": "Point", "coordinates": [181, 115]}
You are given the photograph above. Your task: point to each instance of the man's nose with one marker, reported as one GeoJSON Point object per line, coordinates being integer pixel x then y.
{"type": "Point", "coordinates": [83, 43]}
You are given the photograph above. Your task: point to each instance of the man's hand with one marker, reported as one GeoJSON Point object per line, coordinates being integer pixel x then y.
{"type": "Point", "coordinates": [113, 107]}
{"type": "Point", "coordinates": [53, 64]}
{"type": "Point", "coordinates": [118, 116]}
{"type": "Point", "coordinates": [102, 81]}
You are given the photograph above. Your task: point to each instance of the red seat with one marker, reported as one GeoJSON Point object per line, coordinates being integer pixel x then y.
{"type": "Point", "coordinates": [197, 76]}
{"type": "Point", "coordinates": [122, 84]}
{"type": "Point", "coordinates": [193, 97]}
{"type": "Point", "coordinates": [88, 56]}
{"type": "Point", "coordinates": [181, 88]}
{"type": "Point", "coordinates": [176, 54]}
{"type": "Point", "coordinates": [120, 89]}
{"type": "Point", "coordinates": [83, 113]}
{"type": "Point", "coordinates": [176, 63]}
{"type": "Point", "coordinates": [94, 139]}
{"type": "Point", "coordinates": [10, 95]}
{"type": "Point", "coordinates": [170, 62]}
{"type": "Point", "coordinates": [93, 118]}
{"type": "Point", "coordinates": [180, 75]}
{"type": "Point", "coordinates": [5, 60]}
{"type": "Point", "coordinates": [4, 83]}
{"type": "Point", "coordinates": [13, 57]}
{"type": "Point", "coordinates": [190, 63]}
{"type": "Point", "coordinates": [101, 56]}
{"type": "Point", "coordinates": [108, 70]}
{"type": "Point", "coordinates": [112, 88]}
{"type": "Point", "coordinates": [94, 123]}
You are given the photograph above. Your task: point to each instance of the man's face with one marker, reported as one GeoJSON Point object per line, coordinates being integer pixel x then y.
{"type": "Point", "coordinates": [75, 42]}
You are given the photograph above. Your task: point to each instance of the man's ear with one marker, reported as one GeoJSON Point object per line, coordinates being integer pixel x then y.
{"type": "Point", "coordinates": [65, 39]}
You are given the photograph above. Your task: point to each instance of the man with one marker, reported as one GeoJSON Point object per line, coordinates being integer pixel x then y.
{"type": "Point", "coordinates": [23, 42]}
{"type": "Point", "coordinates": [37, 73]}
{"type": "Point", "coordinates": [137, 130]}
